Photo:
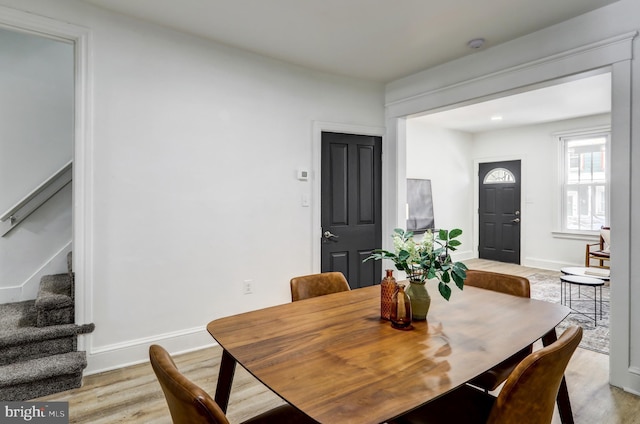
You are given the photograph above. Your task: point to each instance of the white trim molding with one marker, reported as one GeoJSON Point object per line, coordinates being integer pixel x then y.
{"type": "Point", "coordinates": [119, 355]}
{"type": "Point", "coordinates": [580, 59]}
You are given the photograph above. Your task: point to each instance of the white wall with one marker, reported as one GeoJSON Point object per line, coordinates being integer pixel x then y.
{"type": "Point", "coordinates": [604, 37]}
{"type": "Point", "coordinates": [537, 148]}
{"type": "Point", "coordinates": [36, 112]}
{"type": "Point", "coordinates": [36, 139]}
{"type": "Point", "coordinates": [442, 156]}
{"type": "Point", "coordinates": [194, 155]}
{"type": "Point", "coordinates": [36, 247]}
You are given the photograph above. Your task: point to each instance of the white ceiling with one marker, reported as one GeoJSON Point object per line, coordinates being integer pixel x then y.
{"type": "Point", "coordinates": [586, 96]}
{"type": "Point", "coordinates": [378, 40]}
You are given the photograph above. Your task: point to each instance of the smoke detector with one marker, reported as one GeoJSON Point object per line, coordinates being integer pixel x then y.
{"type": "Point", "coordinates": [476, 43]}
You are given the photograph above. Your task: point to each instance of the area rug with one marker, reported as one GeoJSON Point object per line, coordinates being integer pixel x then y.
{"type": "Point", "coordinates": [547, 287]}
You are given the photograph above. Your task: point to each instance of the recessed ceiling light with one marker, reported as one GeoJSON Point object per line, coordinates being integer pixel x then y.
{"type": "Point", "coordinates": [496, 118]}
{"type": "Point", "coordinates": [476, 43]}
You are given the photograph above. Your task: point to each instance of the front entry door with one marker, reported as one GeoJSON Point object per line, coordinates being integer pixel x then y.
{"type": "Point", "coordinates": [499, 211]}
{"type": "Point", "coordinates": [351, 190]}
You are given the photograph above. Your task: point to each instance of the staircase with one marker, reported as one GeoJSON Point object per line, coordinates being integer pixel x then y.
{"type": "Point", "coordinates": [38, 342]}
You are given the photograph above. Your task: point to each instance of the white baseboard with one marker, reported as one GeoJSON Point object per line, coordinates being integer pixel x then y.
{"type": "Point", "coordinates": [547, 264]}
{"type": "Point", "coordinates": [10, 294]}
{"type": "Point", "coordinates": [28, 290]}
{"type": "Point", "coordinates": [458, 256]}
{"type": "Point", "coordinates": [135, 352]}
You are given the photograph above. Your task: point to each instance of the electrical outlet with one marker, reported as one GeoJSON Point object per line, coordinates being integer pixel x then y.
{"type": "Point", "coordinates": [247, 287]}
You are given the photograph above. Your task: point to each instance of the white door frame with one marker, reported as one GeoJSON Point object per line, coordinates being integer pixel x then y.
{"type": "Point", "coordinates": [82, 147]}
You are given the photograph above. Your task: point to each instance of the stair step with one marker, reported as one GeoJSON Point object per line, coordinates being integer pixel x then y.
{"type": "Point", "coordinates": [40, 377]}
{"type": "Point", "coordinates": [54, 304]}
{"type": "Point", "coordinates": [38, 342]}
{"type": "Point", "coordinates": [20, 340]}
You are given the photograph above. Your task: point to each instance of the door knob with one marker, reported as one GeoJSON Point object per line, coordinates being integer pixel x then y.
{"type": "Point", "coordinates": [328, 235]}
{"type": "Point", "coordinates": [516, 220]}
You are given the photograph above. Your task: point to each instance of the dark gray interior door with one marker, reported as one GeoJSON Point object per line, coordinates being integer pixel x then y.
{"type": "Point", "coordinates": [499, 211]}
{"type": "Point", "coordinates": [351, 190]}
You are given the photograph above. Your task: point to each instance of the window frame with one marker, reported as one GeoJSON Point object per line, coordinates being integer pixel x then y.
{"type": "Point", "coordinates": [562, 140]}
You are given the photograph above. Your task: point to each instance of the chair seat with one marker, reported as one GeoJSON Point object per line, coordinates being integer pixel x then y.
{"type": "Point", "coordinates": [285, 414]}
{"type": "Point", "coordinates": [462, 405]}
{"type": "Point", "coordinates": [600, 254]}
{"type": "Point", "coordinates": [493, 378]}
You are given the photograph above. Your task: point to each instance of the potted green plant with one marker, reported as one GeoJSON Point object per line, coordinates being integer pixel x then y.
{"type": "Point", "coordinates": [424, 260]}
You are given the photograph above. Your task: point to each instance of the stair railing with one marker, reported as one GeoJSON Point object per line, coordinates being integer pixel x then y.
{"type": "Point", "coordinates": [32, 201]}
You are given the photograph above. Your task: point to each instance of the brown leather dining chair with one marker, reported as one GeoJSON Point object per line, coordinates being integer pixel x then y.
{"type": "Point", "coordinates": [527, 397]}
{"type": "Point", "coordinates": [503, 283]}
{"type": "Point", "coordinates": [313, 285]}
{"type": "Point", "coordinates": [189, 404]}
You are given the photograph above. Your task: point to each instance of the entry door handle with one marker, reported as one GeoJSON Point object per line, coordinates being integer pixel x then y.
{"type": "Point", "coordinates": [516, 220]}
{"type": "Point", "coordinates": [328, 235]}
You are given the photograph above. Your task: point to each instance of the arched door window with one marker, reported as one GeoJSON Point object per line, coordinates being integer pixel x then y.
{"type": "Point", "coordinates": [499, 176]}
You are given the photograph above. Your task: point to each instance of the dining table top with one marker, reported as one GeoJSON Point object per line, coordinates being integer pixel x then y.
{"type": "Point", "coordinates": [333, 358]}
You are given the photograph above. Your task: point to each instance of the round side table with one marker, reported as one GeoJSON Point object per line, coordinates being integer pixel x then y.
{"type": "Point", "coordinates": [567, 280]}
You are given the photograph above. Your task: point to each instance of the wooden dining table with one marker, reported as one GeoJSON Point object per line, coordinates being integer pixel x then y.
{"type": "Point", "coordinates": [333, 358]}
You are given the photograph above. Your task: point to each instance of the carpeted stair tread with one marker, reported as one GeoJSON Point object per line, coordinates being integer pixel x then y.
{"type": "Point", "coordinates": [28, 334]}
{"type": "Point", "coordinates": [55, 292]}
{"type": "Point", "coordinates": [41, 368]}
{"type": "Point", "coordinates": [54, 304]}
{"type": "Point", "coordinates": [16, 315]}
{"type": "Point", "coordinates": [54, 301]}
{"type": "Point", "coordinates": [17, 325]}
{"type": "Point", "coordinates": [55, 284]}
{"type": "Point", "coordinates": [35, 378]}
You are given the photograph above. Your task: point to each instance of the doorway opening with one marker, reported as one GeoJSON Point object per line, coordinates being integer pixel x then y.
{"type": "Point", "coordinates": [36, 141]}
{"type": "Point", "coordinates": [487, 138]}
{"type": "Point", "coordinates": [524, 127]}
{"type": "Point", "coordinates": [77, 38]}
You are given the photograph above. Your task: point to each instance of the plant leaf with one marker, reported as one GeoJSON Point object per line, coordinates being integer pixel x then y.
{"type": "Point", "coordinates": [459, 281]}
{"type": "Point", "coordinates": [443, 235]}
{"type": "Point", "coordinates": [455, 233]}
{"type": "Point", "coordinates": [431, 273]}
{"type": "Point", "coordinates": [460, 269]}
{"type": "Point", "coordinates": [446, 277]}
{"type": "Point", "coordinates": [444, 290]}
{"type": "Point", "coordinates": [403, 255]}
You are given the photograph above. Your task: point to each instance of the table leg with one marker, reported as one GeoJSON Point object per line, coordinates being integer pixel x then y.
{"type": "Point", "coordinates": [225, 378]}
{"type": "Point", "coordinates": [595, 306]}
{"type": "Point", "coordinates": [564, 405]}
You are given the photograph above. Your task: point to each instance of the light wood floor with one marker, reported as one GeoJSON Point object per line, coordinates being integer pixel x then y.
{"type": "Point", "coordinates": [132, 395]}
